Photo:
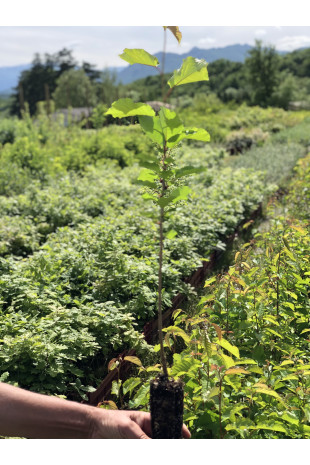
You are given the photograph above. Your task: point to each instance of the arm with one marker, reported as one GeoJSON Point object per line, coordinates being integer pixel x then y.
{"type": "Point", "coordinates": [31, 415]}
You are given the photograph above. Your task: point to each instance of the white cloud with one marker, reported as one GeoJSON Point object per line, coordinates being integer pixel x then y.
{"type": "Point", "coordinates": [72, 44]}
{"type": "Point", "coordinates": [260, 32]}
{"type": "Point", "coordinates": [292, 42]}
{"type": "Point", "coordinates": [206, 41]}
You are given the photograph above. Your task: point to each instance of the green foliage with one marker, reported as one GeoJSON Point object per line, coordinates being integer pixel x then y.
{"type": "Point", "coordinates": [74, 89]}
{"type": "Point", "coordinates": [245, 358]}
{"type": "Point", "coordinates": [262, 68]}
{"type": "Point", "coordinates": [75, 234]}
{"type": "Point", "coordinates": [42, 73]}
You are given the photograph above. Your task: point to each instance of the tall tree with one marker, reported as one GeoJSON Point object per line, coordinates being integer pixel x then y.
{"type": "Point", "coordinates": [262, 71]}
{"type": "Point", "coordinates": [43, 72]}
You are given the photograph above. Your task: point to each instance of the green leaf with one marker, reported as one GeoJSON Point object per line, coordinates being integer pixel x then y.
{"type": "Point", "coordinates": [192, 70]}
{"type": "Point", "coordinates": [187, 171]}
{"type": "Point", "coordinates": [272, 425]}
{"type": "Point", "coordinates": [163, 127]}
{"type": "Point", "coordinates": [210, 281]}
{"type": "Point", "coordinates": [183, 364]}
{"type": "Point", "coordinates": [269, 392]}
{"type": "Point", "coordinates": [290, 418]}
{"type": "Point", "coordinates": [116, 387]}
{"type": "Point", "coordinates": [247, 361]}
{"type": "Point", "coordinates": [171, 125]}
{"type": "Point", "coordinates": [305, 331]}
{"type": "Point", "coordinates": [208, 394]}
{"type": "Point", "coordinates": [127, 107]}
{"type": "Point", "coordinates": [152, 128]}
{"type": "Point", "coordinates": [236, 371]}
{"type": "Point", "coordinates": [228, 361]}
{"type": "Point", "coordinates": [191, 133]}
{"type": "Point", "coordinates": [178, 332]}
{"type": "Point", "coordinates": [272, 331]}
{"type": "Point", "coordinates": [180, 193]}
{"type": "Point", "coordinates": [147, 175]}
{"type": "Point", "coordinates": [142, 396]}
{"type": "Point", "coordinates": [171, 234]}
{"type": "Point", "coordinates": [140, 56]}
{"type": "Point", "coordinates": [255, 369]}
{"type": "Point", "coordinates": [226, 345]}
{"type": "Point", "coordinates": [133, 359]}
{"type": "Point", "coordinates": [151, 166]}
{"type": "Point", "coordinates": [130, 384]}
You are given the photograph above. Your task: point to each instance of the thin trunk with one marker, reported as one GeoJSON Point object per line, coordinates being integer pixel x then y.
{"type": "Point", "coordinates": [160, 315]}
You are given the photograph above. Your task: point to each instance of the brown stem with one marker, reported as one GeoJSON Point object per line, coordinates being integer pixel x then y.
{"type": "Point", "coordinates": [227, 307]}
{"type": "Point", "coordinates": [160, 274]}
{"type": "Point", "coordinates": [160, 314]}
{"type": "Point", "coordinates": [278, 285]}
{"type": "Point", "coordinates": [220, 409]}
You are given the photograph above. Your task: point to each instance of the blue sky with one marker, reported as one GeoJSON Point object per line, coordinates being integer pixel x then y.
{"type": "Point", "coordinates": [101, 45]}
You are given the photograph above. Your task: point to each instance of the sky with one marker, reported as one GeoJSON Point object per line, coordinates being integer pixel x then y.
{"type": "Point", "coordinates": [101, 45]}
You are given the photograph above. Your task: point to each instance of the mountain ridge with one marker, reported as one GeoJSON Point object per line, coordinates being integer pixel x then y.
{"type": "Point", "coordinates": [9, 75]}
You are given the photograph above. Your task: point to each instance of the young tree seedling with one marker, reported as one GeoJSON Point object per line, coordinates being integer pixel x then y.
{"type": "Point", "coordinates": [163, 185]}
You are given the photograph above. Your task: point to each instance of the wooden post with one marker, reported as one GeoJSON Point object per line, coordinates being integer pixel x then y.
{"type": "Point", "coordinates": [47, 99]}
{"type": "Point", "coordinates": [21, 99]}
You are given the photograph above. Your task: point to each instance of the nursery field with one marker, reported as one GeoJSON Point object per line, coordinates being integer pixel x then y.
{"type": "Point", "coordinates": [79, 259]}
{"type": "Point", "coordinates": [244, 350]}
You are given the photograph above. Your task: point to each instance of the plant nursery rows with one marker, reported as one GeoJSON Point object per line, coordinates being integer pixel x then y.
{"type": "Point", "coordinates": [79, 254]}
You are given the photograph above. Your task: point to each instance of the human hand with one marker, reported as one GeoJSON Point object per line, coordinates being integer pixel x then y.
{"type": "Point", "coordinates": [123, 424]}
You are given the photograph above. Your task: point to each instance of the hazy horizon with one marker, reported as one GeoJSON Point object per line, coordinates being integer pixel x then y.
{"type": "Point", "coordinates": [101, 45]}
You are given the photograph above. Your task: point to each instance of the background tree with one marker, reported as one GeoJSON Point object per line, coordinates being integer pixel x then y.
{"type": "Point", "coordinates": [108, 89]}
{"type": "Point", "coordinates": [261, 68]}
{"type": "Point", "coordinates": [75, 89]}
{"type": "Point", "coordinates": [44, 71]}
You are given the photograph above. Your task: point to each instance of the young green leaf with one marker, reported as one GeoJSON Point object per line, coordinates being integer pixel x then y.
{"type": "Point", "coordinates": [140, 56]}
{"type": "Point", "coordinates": [186, 171]}
{"type": "Point", "coordinates": [192, 70]}
{"type": "Point", "coordinates": [178, 332]}
{"type": "Point", "coordinates": [180, 193]}
{"type": "Point", "coordinates": [190, 133]}
{"type": "Point", "coordinates": [130, 384]}
{"type": "Point", "coordinates": [226, 345]}
{"type": "Point", "coordinates": [127, 107]}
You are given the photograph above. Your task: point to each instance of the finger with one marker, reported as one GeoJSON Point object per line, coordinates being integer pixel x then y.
{"type": "Point", "coordinates": [133, 431]}
{"type": "Point", "coordinates": [185, 432]}
{"type": "Point", "coordinates": [143, 419]}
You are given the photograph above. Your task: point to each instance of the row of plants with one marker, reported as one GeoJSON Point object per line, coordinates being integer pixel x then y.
{"type": "Point", "coordinates": [243, 352]}
{"type": "Point", "coordinates": [41, 192]}
{"type": "Point", "coordinates": [42, 148]}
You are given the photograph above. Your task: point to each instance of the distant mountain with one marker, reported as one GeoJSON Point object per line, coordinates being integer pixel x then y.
{"type": "Point", "coordinates": [9, 75]}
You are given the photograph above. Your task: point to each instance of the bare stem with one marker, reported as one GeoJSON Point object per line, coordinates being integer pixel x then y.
{"type": "Point", "coordinates": [160, 314]}
{"type": "Point", "coordinates": [160, 270]}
